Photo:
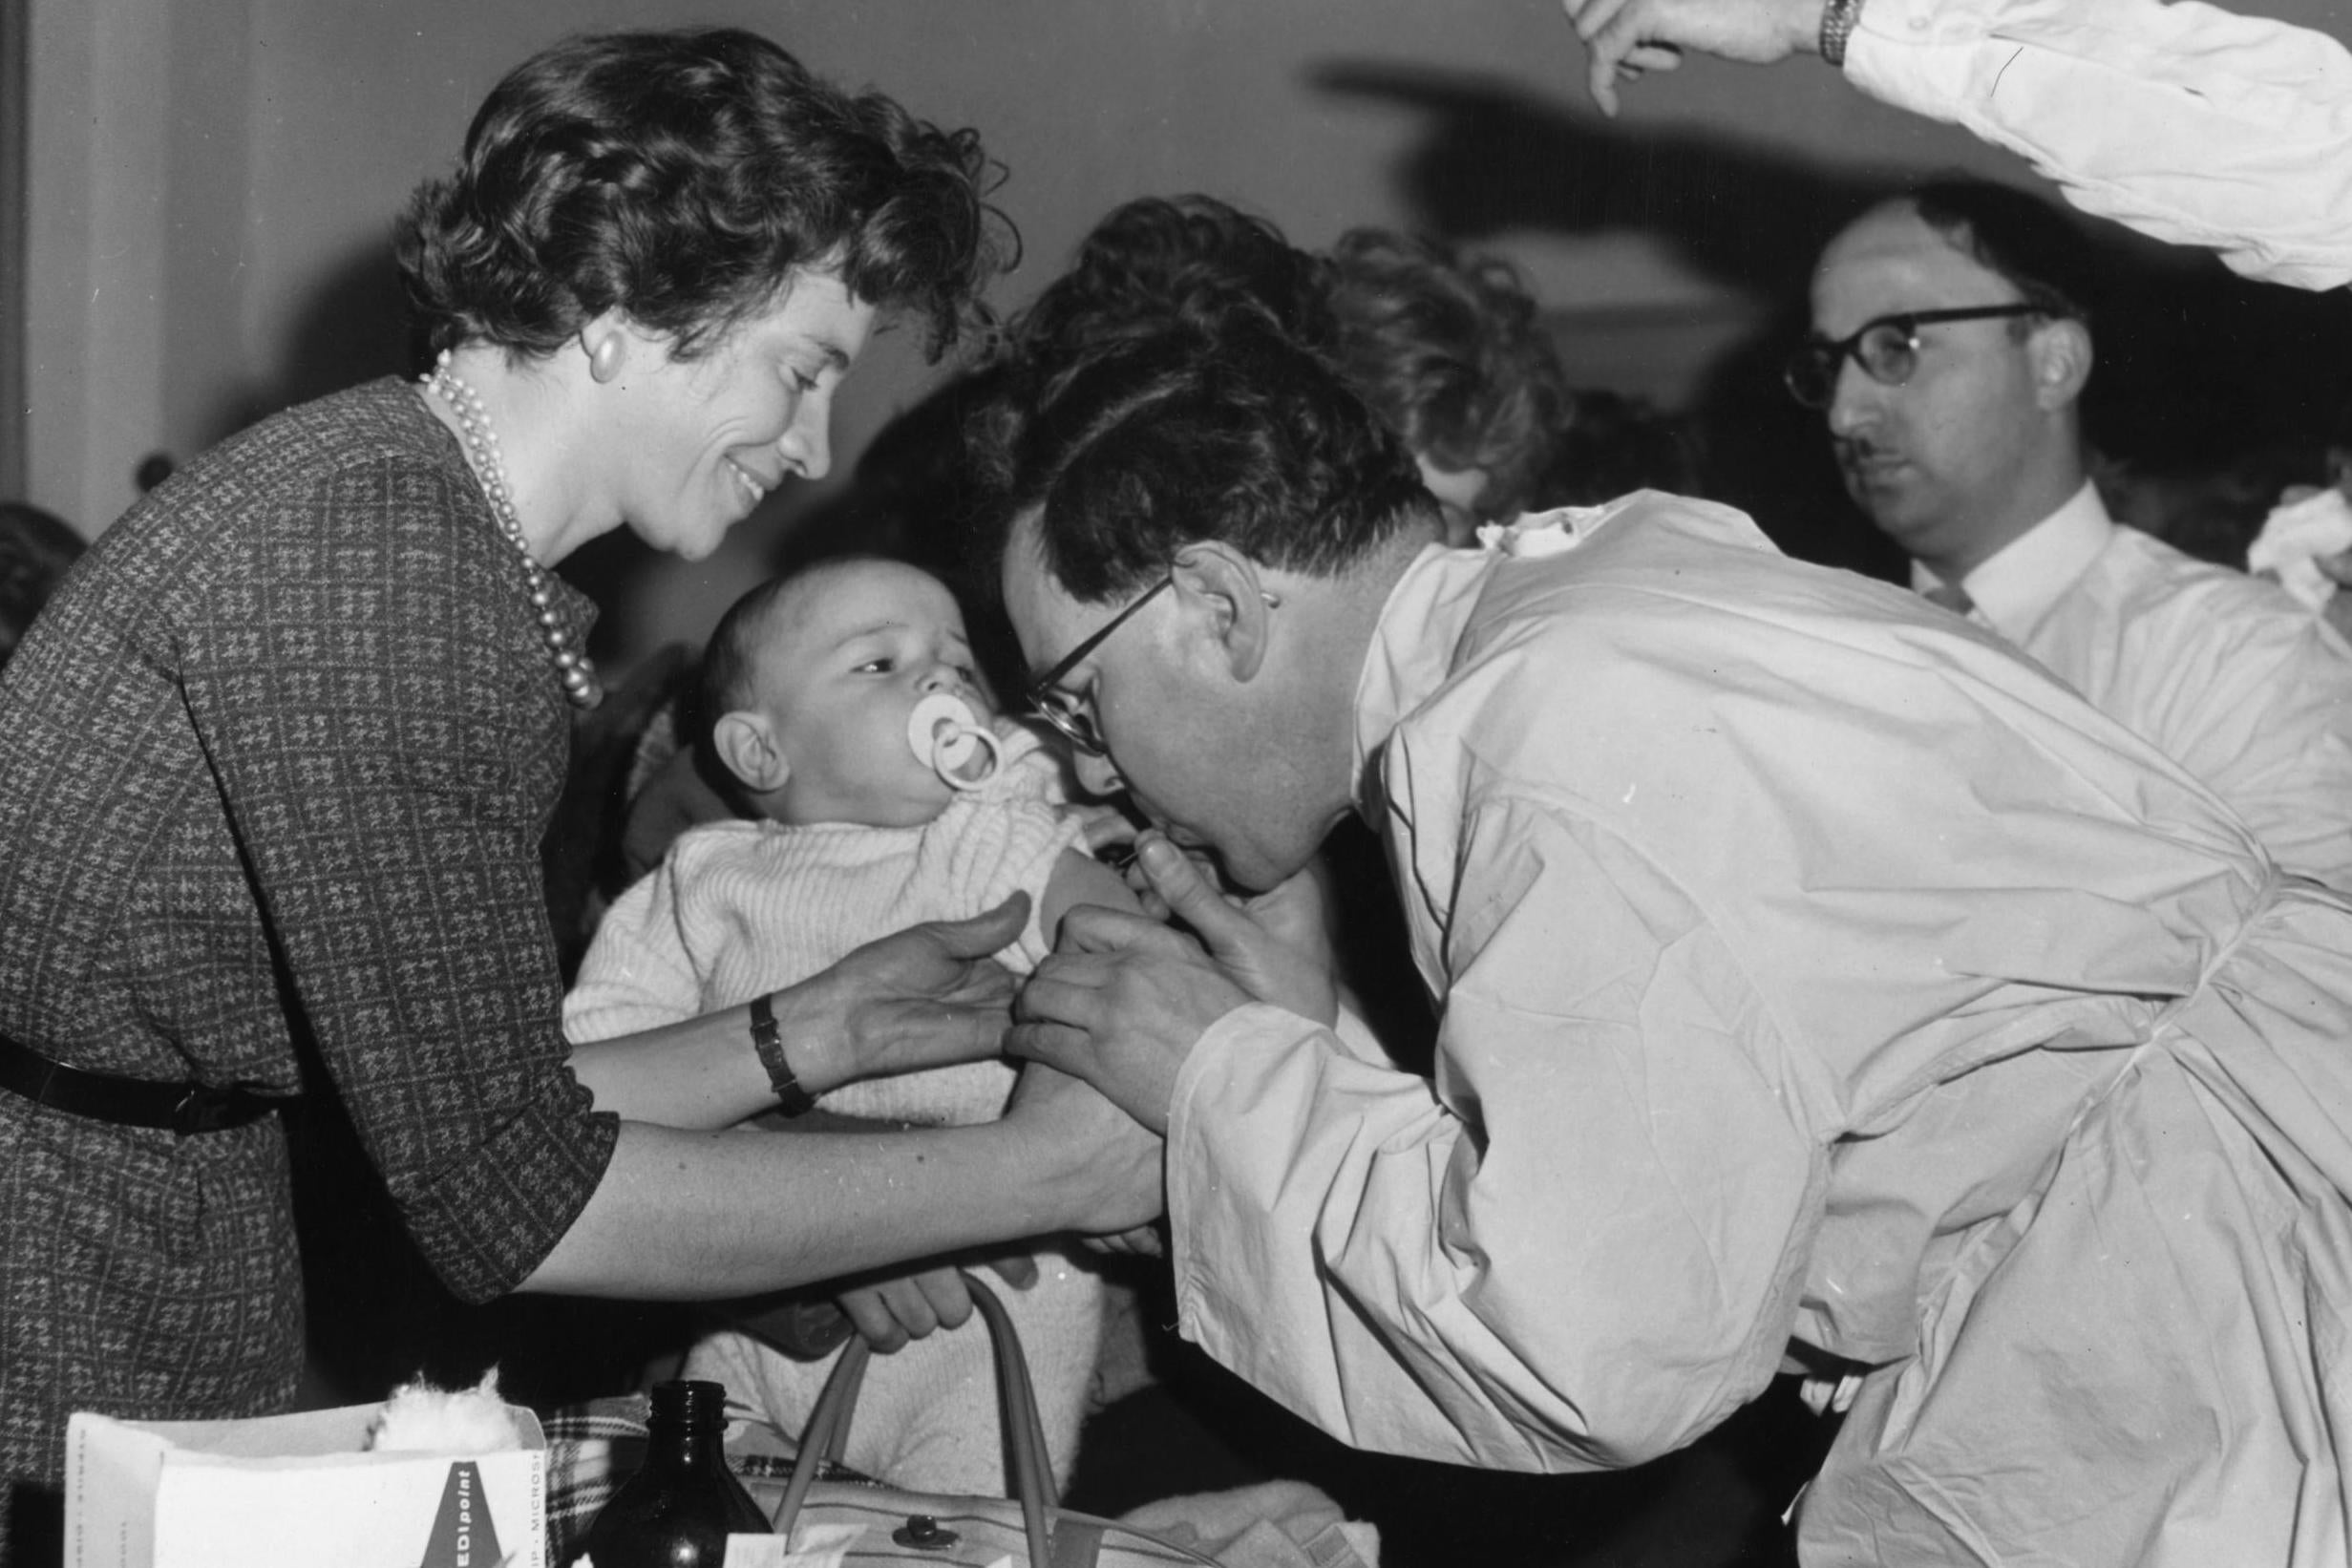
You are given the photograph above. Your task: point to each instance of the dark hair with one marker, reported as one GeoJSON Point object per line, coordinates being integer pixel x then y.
{"type": "Point", "coordinates": [1240, 435]}
{"type": "Point", "coordinates": [1612, 446]}
{"type": "Point", "coordinates": [2023, 238]}
{"type": "Point", "coordinates": [730, 658]}
{"type": "Point", "coordinates": [1190, 265]}
{"type": "Point", "coordinates": [37, 548]}
{"type": "Point", "coordinates": [683, 176]}
{"type": "Point", "coordinates": [1161, 259]}
{"type": "Point", "coordinates": [1448, 351]}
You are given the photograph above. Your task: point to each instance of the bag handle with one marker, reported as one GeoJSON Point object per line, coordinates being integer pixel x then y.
{"type": "Point", "coordinates": [827, 1434]}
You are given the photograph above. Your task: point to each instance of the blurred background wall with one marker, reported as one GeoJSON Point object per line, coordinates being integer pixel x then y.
{"type": "Point", "coordinates": [211, 184]}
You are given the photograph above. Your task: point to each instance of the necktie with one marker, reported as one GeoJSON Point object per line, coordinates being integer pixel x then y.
{"type": "Point", "coordinates": [1951, 596]}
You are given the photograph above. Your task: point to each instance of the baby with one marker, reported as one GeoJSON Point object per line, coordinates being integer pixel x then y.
{"type": "Point", "coordinates": [844, 705]}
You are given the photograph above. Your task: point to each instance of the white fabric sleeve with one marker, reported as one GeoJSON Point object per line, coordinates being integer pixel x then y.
{"type": "Point", "coordinates": [638, 973]}
{"type": "Point", "coordinates": [2187, 122]}
{"type": "Point", "coordinates": [2276, 740]}
{"type": "Point", "coordinates": [1580, 1250]}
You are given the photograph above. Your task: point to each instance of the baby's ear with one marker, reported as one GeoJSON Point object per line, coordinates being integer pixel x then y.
{"type": "Point", "coordinates": [748, 748]}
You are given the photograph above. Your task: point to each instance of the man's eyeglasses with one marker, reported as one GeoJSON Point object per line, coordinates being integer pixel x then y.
{"type": "Point", "coordinates": [1069, 713]}
{"type": "Point", "coordinates": [1887, 349]}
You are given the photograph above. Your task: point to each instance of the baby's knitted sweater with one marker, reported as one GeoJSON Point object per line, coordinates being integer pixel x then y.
{"type": "Point", "coordinates": [741, 908]}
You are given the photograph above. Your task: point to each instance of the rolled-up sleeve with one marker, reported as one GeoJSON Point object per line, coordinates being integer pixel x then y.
{"type": "Point", "coordinates": [1579, 1249]}
{"type": "Point", "coordinates": [387, 759]}
{"type": "Point", "coordinates": [2275, 740]}
{"type": "Point", "coordinates": [2190, 123]}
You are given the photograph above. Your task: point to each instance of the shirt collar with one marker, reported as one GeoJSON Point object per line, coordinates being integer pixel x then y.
{"type": "Point", "coordinates": [1425, 615]}
{"type": "Point", "coordinates": [2014, 589]}
{"type": "Point", "coordinates": [1411, 651]}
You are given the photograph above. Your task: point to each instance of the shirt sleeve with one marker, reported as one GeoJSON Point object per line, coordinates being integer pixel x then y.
{"type": "Point", "coordinates": [2268, 725]}
{"type": "Point", "coordinates": [365, 696]}
{"type": "Point", "coordinates": [639, 972]}
{"type": "Point", "coordinates": [2187, 122]}
{"type": "Point", "coordinates": [1580, 1249]}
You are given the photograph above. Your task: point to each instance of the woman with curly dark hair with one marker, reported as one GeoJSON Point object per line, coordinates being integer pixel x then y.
{"type": "Point", "coordinates": [275, 764]}
{"type": "Point", "coordinates": [1449, 351]}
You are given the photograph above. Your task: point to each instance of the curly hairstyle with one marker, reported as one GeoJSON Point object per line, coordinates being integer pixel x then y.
{"type": "Point", "coordinates": [683, 176]}
{"type": "Point", "coordinates": [1161, 439]}
{"type": "Point", "coordinates": [1161, 260]}
{"type": "Point", "coordinates": [1187, 264]}
{"type": "Point", "coordinates": [1448, 351]}
{"type": "Point", "coordinates": [1614, 445]}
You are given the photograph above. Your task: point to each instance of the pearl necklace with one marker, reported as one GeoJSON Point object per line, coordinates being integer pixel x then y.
{"type": "Point", "coordinates": [580, 682]}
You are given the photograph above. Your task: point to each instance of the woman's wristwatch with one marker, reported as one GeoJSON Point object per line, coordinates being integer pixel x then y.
{"type": "Point", "coordinates": [769, 1042]}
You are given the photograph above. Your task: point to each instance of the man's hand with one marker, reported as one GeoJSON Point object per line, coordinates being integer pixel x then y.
{"type": "Point", "coordinates": [1628, 37]}
{"type": "Point", "coordinates": [1277, 945]}
{"type": "Point", "coordinates": [1120, 1003]}
{"type": "Point", "coordinates": [928, 996]}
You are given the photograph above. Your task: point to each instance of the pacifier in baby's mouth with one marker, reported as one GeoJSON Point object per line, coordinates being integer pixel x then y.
{"type": "Point", "coordinates": [951, 741]}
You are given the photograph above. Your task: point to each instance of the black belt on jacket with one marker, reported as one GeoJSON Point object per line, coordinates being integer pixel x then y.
{"type": "Point", "coordinates": [181, 1108]}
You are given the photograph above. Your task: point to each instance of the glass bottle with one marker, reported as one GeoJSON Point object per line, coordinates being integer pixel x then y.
{"type": "Point", "coordinates": [684, 1502]}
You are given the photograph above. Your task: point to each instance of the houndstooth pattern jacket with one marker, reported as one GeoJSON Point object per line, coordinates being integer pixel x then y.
{"type": "Point", "coordinates": [274, 768]}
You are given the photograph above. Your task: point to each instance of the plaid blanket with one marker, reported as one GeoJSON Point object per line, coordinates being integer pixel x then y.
{"type": "Point", "coordinates": [593, 1448]}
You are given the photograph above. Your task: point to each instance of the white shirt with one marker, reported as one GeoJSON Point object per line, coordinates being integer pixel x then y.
{"type": "Point", "coordinates": [2224, 672]}
{"type": "Point", "coordinates": [1812, 964]}
{"type": "Point", "coordinates": [2184, 122]}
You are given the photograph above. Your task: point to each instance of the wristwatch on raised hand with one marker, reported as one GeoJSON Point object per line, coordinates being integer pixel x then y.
{"type": "Point", "coordinates": [1837, 20]}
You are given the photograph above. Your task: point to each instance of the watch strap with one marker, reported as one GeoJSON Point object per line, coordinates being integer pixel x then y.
{"type": "Point", "coordinates": [1837, 22]}
{"type": "Point", "coordinates": [767, 1041]}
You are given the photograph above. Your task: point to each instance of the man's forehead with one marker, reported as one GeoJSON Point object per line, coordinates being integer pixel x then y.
{"type": "Point", "coordinates": [1034, 600]}
{"type": "Point", "coordinates": [1890, 261]}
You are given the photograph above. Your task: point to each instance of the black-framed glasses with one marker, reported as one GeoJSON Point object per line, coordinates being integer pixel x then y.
{"type": "Point", "coordinates": [1886, 348]}
{"type": "Point", "coordinates": [1069, 713]}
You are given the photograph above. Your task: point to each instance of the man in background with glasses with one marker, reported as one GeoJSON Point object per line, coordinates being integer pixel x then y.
{"type": "Point", "coordinates": [1951, 345]}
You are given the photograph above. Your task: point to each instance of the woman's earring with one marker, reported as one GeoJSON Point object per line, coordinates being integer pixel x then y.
{"type": "Point", "coordinates": [604, 357]}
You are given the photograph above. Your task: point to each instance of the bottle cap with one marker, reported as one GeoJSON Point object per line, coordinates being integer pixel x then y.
{"type": "Point", "coordinates": [692, 1403]}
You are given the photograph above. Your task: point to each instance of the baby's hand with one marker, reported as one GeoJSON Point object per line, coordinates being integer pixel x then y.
{"type": "Point", "coordinates": [891, 1312]}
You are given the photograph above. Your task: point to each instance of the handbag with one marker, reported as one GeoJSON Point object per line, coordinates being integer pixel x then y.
{"type": "Point", "coordinates": [902, 1527]}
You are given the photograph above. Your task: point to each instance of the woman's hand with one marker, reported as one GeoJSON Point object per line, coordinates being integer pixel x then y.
{"type": "Point", "coordinates": [1103, 1167]}
{"type": "Point", "coordinates": [928, 996]}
